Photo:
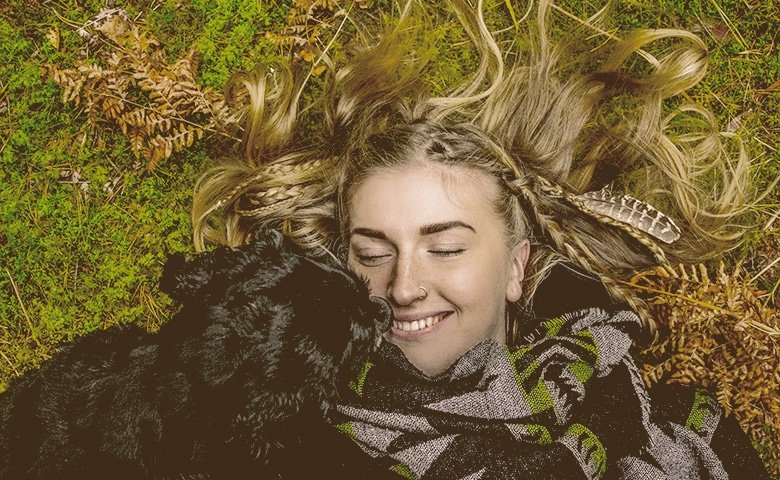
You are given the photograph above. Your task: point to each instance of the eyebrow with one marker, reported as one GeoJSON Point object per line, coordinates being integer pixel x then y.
{"type": "Point", "coordinates": [424, 230]}
{"type": "Point", "coordinates": [368, 232]}
{"type": "Point", "coordinates": [441, 227]}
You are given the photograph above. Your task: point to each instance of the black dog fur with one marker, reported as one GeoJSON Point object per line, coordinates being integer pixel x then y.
{"type": "Point", "coordinates": [234, 386]}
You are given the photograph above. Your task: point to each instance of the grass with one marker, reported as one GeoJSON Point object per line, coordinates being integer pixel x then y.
{"type": "Point", "coordinates": [76, 255]}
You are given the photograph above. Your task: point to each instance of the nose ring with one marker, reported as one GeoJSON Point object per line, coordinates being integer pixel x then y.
{"type": "Point", "coordinates": [424, 294]}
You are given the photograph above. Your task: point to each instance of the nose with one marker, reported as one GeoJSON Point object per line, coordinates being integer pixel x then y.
{"type": "Point", "coordinates": [404, 286]}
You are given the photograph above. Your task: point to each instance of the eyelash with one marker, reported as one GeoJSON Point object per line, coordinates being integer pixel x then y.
{"type": "Point", "coordinates": [447, 253]}
{"type": "Point", "coordinates": [370, 260]}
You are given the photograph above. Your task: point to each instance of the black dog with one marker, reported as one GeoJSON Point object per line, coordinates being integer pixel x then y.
{"type": "Point", "coordinates": [234, 386]}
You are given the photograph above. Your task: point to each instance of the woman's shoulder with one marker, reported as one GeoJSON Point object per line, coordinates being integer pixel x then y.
{"type": "Point", "coordinates": [566, 288]}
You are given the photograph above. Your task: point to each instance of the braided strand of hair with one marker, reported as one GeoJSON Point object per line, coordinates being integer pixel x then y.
{"type": "Point", "coordinates": [293, 173]}
{"type": "Point", "coordinates": [546, 226]}
{"type": "Point", "coordinates": [571, 245]}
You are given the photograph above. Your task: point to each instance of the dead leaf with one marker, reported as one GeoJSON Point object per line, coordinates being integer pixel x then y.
{"type": "Point", "coordinates": [53, 35]}
{"type": "Point", "coordinates": [775, 87]}
{"type": "Point", "coordinates": [717, 28]}
{"type": "Point", "coordinates": [114, 28]}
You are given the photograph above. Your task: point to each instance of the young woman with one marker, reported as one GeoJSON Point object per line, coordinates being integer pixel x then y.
{"type": "Point", "coordinates": [478, 217]}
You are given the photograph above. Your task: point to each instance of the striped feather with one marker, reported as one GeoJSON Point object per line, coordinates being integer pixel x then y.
{"type": "Point", "coordinates": [631, 211]}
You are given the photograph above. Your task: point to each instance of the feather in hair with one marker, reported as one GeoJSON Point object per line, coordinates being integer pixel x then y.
{"type": "Point", "coordinates": [640, 215]}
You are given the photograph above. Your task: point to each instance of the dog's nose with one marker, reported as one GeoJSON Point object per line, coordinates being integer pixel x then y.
{"type": "Point", "coordinates": [386, 312]}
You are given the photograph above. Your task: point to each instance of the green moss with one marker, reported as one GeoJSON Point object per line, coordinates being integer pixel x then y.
{"type": "Point", "coordinates": [73, 260]}
{"type": "Point", "coordinates": [230, 36]}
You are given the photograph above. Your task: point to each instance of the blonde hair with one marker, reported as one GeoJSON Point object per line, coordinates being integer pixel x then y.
{"type": "Point", "coordinates": [557, 121]}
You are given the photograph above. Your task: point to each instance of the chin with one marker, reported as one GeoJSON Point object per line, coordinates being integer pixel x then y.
{"type": "Point", "coordinates": [427, 364]}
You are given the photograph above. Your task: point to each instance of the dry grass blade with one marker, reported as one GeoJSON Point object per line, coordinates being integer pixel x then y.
{"type": "Point", "coordinates": [30, 327]}
{"type": "Point", "coordinates": [732, 28]}
{"type": "Point", "coordinates": [13, 367]}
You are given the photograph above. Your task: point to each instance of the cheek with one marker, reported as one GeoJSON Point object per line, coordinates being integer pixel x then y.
{"type": "Point", "coordinates": [478, 286]}
{"type": "Point", "coordinates": [479, 290]}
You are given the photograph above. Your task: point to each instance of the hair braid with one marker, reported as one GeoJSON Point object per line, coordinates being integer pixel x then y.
{"type": "Point", "coordinates": [290, 194]}
{"type": "Point", "coordinates": [536, 193]}
{"type": "Point", "coordinates": [548, 227]}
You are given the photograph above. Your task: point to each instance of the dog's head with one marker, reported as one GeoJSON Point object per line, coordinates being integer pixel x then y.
{"type": "Point", "coordinates": [313, 321]}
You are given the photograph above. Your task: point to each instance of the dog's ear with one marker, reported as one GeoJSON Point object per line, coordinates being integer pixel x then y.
{"type": "Point", "coordinates": [183, 279]}
{"type": "Point", "coordinates": [263, 238]}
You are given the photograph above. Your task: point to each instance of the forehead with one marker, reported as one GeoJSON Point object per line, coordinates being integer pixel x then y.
{"type": "Point", "coordinates": [423, 193]}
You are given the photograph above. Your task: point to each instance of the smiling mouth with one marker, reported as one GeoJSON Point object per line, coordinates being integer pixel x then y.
{"type": "Point", "coordinates": [418, 325]}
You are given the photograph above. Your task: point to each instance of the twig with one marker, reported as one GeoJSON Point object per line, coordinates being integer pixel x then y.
{"type": "Point", "coordinates": [10, 363]}
{"type": "Point", "coordinates": [764, 270]}
{"type": "Point", "coordinates": [683, 297]}
{"type": "Point", "coordinates": [24, 310]}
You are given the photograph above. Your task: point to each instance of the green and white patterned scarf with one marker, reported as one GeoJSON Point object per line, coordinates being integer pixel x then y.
{"type": "Point", "coordinates": [568, 404]}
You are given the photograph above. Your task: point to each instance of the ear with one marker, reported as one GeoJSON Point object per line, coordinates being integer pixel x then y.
{"type": "Point", "coordinates": [518, 257]}
{"type": "Point", "coordinates": [263, 238]}
{"type": "Point", "coordinates": [182, 278]}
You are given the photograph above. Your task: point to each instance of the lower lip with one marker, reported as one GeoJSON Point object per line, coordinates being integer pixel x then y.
{"type": "Point", "coordinates": [408, 334]}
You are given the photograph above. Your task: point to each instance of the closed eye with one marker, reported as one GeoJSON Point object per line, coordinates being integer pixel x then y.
{"type": "Point", "coordinates": [447, 252]}
{"type": "Point", "coordinates": [372, 260]}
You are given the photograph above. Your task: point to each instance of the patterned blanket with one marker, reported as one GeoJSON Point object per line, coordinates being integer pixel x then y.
{"type": "Point", "coordinates": [568, 404]}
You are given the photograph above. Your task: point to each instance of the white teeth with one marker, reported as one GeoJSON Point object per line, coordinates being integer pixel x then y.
{"type": "Point", "coordinates": [416, 325]}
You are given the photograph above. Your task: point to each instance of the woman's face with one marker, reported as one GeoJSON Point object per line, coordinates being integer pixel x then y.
{"type": "Point", "coordinates": [428, 239]}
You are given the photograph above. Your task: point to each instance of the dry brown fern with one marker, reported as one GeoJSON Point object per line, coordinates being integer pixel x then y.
{"type": "Point", "coordinates": [158, 106]}
{"type": "Point", "coordinates": [307, 20]}
{"type": "Point", "coordinates": [717, 333]}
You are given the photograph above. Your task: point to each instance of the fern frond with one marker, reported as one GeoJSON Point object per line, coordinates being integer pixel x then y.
{"type": "Point", "coordinates": [159, 106]}
{"type": "Point", "coordinates": [720, 335]}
